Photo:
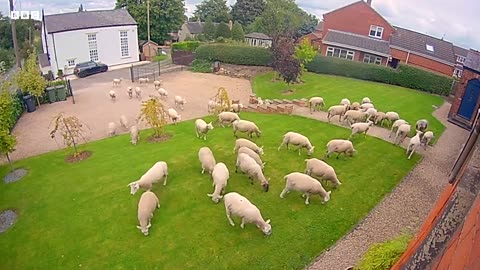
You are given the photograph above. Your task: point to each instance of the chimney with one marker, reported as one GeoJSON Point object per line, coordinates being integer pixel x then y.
{"type": "Point", "coordinates": [369, 2]}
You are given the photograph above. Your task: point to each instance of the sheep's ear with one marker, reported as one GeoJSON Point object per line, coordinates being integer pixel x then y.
{"type": "Point", "coordinates": [330, 192]}
{"type": "Point", "coordinates": [139, 227]}
{"type": "Point", "coordinates": [313, 147]}
{"type": "Point", "coordinates": [268, 221]}
{"type": "Point", "coordinates": [261, 147]}
{"type": "Point", "coordinates": [129, 185]}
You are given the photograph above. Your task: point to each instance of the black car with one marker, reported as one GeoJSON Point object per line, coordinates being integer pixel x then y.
{"type": "Point", "coordinates": [89, 68]}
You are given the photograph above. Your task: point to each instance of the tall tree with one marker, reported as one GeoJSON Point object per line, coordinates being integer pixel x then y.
{"type": "Point", "coordinates": [280, 18]}
{"type": "Point", "coordinates": [215, 9]}
{"type": "Point", "coordinates": [29, 79]}
{"type": "Point", "coordinates": [80, 8]}
{"type": "Point", "coordinates": [237, 32]}
{"type": "Point", "coordinates": [223, 31]}
{"type": "Point", "coordinates": [166, 16]}
{"type": "Point", "coordinates": [209, 29]}
{"type": "Point", "coordinates": [308, 25]}
{"type": "Point", "coordinates": [245, 11]}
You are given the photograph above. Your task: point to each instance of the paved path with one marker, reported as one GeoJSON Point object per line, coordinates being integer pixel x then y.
{"type": "Point", "coordinates": [407, 206]}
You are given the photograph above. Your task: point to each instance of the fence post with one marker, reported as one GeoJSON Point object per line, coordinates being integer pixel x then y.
{"type": "Point", "coordinates": [159, 68]}
{"type": "Point", "coordinates": [131, 73]}
{"type": "Point", "coordinates": [71, 90]}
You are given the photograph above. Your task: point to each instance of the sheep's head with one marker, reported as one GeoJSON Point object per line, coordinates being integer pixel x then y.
{"type": "Point", "coordinates": [134, 186]}
{"type": "Point", "coordinates": [327, 197]}
{"type": "Point", "coordinates": [266, 228]}
{"type": "Point", "coordinates": [260, 151]}
{"type": "Point", "coordinates": [209, 126]}
{"type": "Point", "coordinates": [265, 186]}
{"type": "Point", "coordinates": [310, 151]}
{"type": "Point", "coordinates": [370, 123]}
{"type": "Point", "coordinates": [145, 229]}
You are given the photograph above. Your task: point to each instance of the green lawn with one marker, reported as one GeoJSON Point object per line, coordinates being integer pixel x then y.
{"type": "Point", "coordinates": [83, 216]}
{"type": "Point", "coordinates": [412, 105]}
{"type": "Point", "coordinates": [160, 57]}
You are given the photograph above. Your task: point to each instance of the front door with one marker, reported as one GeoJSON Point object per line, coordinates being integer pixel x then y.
{"type": "Point", "coordinates": [470, 99]}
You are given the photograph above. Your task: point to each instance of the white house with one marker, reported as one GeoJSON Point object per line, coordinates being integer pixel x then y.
{"type": "Point", "coordinates": [258, 40]}
{"type": "Point", "coordinates": [106, 36]}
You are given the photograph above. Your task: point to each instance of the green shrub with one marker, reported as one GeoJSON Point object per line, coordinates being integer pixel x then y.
{"type": "Point", "coordinates": [223, 31]}
{"type": "Point", "coordinates": [382, 256]}
{"type": "Point", "coordinates": [220, 40]}
{"type": "Point", "coordinates": [11, 107]}
{"type": "Point", "coordinates": [188, 46]}
{"type": "Point", "coordinates": [201, 66]}
{"type": "Point", "coordinates": [235, 54]}
{"type": "Point", "coordinates": [209, 29]}
{"type": "Point", "coordinates": [237, 32]}
{"type": "Point", "coordinates": [405, 76]}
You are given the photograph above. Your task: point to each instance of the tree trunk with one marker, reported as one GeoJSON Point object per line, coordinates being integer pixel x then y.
{"type": "Point", "coordinates": [9, 162]}
{"type": "Point", "coordinates": [38, 101]}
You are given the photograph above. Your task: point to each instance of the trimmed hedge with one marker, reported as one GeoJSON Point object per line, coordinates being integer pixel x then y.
{"type": "Point", "coordinates": [235, 54]}
{"type": "Point", "coordinates": [11, 108]}
{"type": "Point", "coordinates": [188, 46]}
{"type": "Point", "coordinates": [405, 76]}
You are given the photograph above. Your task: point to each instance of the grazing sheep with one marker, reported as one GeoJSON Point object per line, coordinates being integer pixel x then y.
{"type": "Point", "coordinates": [305, 184]}
{"type": "Point", "coordinates": [395, 126]}
{"type": "Point", "coordinates": [124, 121]}
{"type": "Point", "coordinates": [345, 102]}
{"type": "Point", "coordinates": [336, 110]}
{"type": "Point", "coordinates": [366, 100]}
{"type": "Point", "coordinates": [220, 175]}
{"type": "Point", "coordinates": [163, 93]}
{"type": "Point", "coordinates": [322, 170]}
{"type": "Point", "coordinates": [259, 101]}
{"type": "Point", "coordinates": [146, 206]}
{"type": "Point", "coordinates": [250, 167]}
{"type": "Point", "coordinates": [298, 140]}
{"type": "Point", "coordinates": [143, 80]}
{"type": "Point", "coordinates": [138, 92]}
{"type": "Point", "coordinates": [237, 205]}
{"type": "Point", "coordinates": [252, 154]}
{"type": "Point", "coordinates": [245, 126]}
{"type": "Point", "coordinates": [379, 118]}
{"type": "Point", "coordinates": [153, 175]}
{"type": "Point", "coordinates": [174, 116]}
{"type": "Point", "coordinates": [112, 95]}
{"type": "Point", "coordinates": [207, 160]}
{"type": "Point", "coordinates": [421, 125]}
{"type": "Point", "coordinates": [365, 106]}
{"type": "Point", "coordinates": [134, 135]}
{"type": "Point", "coordinates": [358, 128]}
{"type": "Point", "coordinates": [212, 105]}
{"type": "Point", "coordinates": [236, 108]}
{"type": "Point", "coordinates": [391, 117]}
{"type": "Point", "coordinates": [402, 133]}
{"type": "Point", "coordinates": [427, 137]}
{"type": "Point", "coordinates": [180, 102]}
{"type": "Point", "coordinates": [227, 117]}
{"type": "Point", "coordinates": [157, 84]}
{"type": "Point", "coordinates": [116, 82]}
{"type": "Point", "coordinates": [371, 113]}
{"type": "Point", "coordinates": [314, 103]}
{"type": "Point", "coordinates": [355, 106]}
{"type": "Point", "coordinates": [130, 92]}
{"type": "Point", "coordinates": [340, 146]}
{"type": "Point", "coordinates": [112, 129]}
{"type": "Point", "coordinates": [353, 116]}
{"type": "Point", "coordinates": [249, 144]}
{"type": "Point", "coordinates": [414, 143]}
{"type": "Point", "coordinates": [202, 128]}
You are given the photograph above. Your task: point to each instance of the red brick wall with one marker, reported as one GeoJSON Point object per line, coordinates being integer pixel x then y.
{"type": "Point", "coordinates": [356, 18]}
{"type": "Point", "coordinates": [422, 62]}
{"type": "Point", "coordinates": [460, 90]}
{"type": "Point", "coordinates": [314, 41]}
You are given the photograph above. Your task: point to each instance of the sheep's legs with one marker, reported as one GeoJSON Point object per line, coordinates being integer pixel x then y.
{"type": "Point", "coordinates": [307, 200]}
{"type": "Point", "coordinates": [284, 191]}
{"type": "Point", "coordinates": [243, 223]}
{"type": "Point", "coordinates": [411, 153]}
{"type": "Point", "coordinates": [229, 218]}
{"type": "Point", "coordinates": [165, 181]}
{"type": "Point", "coordinates": [203, 169]}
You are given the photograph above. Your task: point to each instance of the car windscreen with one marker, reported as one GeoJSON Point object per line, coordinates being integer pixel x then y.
{"type": "Point", "coordinates": [86, 64]}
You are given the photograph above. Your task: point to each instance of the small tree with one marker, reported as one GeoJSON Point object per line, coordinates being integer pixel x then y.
{"type": "Point", "coordinates": [153, 112]}
{"type": "Point", "coordinates": [283, 61]}
{"type": "Point", "coordinates": [305, 53]}
{"type": "Point", "coordinates": [7, 144]}
{"type": "Point", "coordinates": [222, 100]}
{"type": "Point", "coordinates": [29, 79]}
{"type": "Point", "coordinates": [209, 29]}
{"type": "Point", "coordinates": [223, 31]}
{"type": "Point", "coordinates": [71, 130]}
{"type": "Point", "coordinates": [237, 32]}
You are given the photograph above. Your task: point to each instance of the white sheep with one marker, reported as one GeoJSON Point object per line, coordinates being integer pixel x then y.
{"type": "Point", "coordinates": [391, 117]}
{"type": "Point", "coordinates": [358, 128]}
{"type": "Point", "coordinates": [314, 103]}
{"type": "Point", "coordinates": [365, 106]}
{"type": "Point", "coordinates": [355, 106]}
{"type": "Point", "coordinates": [116, 82]}
{"type": "Point", "coordinates": [427, 137]}
{"type": "Point", "coordinates": [157, 84]}
{"type": "Point", "coordinates": [138, 92]}
{"type": "Point", "coordinates": [143, 80]}
{"type": "Point", "coordinates": [414, 143]}
{"type": "Point", "coordinates": [212, 105]}
{"type": "Point", "coordinates": [340, 146]}
{"type": "Point", "coordinates": [305, 184]}
{"type": "Point", "coordinates": [336, 110]}
{"type": "Point", "coordinates": [134, 135]}
{"type": "Point", "coordinates": [320, 169]}
{"type": "Point", "coordinates": [146, 206]}
{"type": "Point", "coordinates": [202, 128]}
{"type": "Point", "coordinates": [252, 154]}
{"type": "Point", "coordinates": [124, 121]}
{"type": "Point", "coordinates": [353, 116]}
{"type": "Point", "coordinates": [245, 126]}
{"type": "Point", "coordinates": [180, 102]}
{"type": "Point", "coordinates": [237, 205]}
{"type": "Point", "coordinates": [163, 93]}
{"type": "Point", "coordinates": [227, 117]}
{"type": "Point", "coordinates": [395, 126]}
{"type": "Point", "coordinates": [249, 144]}
{"type": "Point", "coordinates": [402, 133]}
{"type": "Point", "coordinates": [250, 167]}
{"type": "Point", "coordinates": [130, 91]}
{"type": "Point", "coordinates": [153, 175]}
{"type": "Point", "coordinates": [366, 100]}
{"type": "Point", "coordinates": [259, 101]}
{"type": "Point", "coordinates": [345, 102]}
{"type": "Point", "coordinates": [112, 129]}
{"type": "Point", "coordinates": [421, 125]}
{"type": "Point", "coordinates": [371, 113]}
{"type": "Point", "coordinates": [236, 108]}
{"type": "Point", "coordinates": [379, 118]}
{"type": "Point", "coordinates": [112, 95]}
{"type": "Point", "coordinates": [220, 175]}
{"type": "Point", "coordinates": [298, 140]}
{"type": "Point", "coordinates": [174, 116]}
{"type": "Point", "coordinates": [207, 160]}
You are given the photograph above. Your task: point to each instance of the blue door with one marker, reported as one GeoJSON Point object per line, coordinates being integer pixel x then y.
{"type": "Point", "coordinates": [470, 99]}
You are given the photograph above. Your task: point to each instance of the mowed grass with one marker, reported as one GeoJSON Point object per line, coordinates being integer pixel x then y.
{"type": "Point", "coordinates": [83, 216]}
{"type": "Point", "coordinates": [411, 105]}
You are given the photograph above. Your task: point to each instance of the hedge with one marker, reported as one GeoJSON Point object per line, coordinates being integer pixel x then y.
{"type": "Point", "coordinates": [11, 108]}
{"type": "Point", "coordinates": [405, 76]}
{"type": "Point", "coordinates": [188, 46]}
{"type": "Point", "coordinates": [235, 54]}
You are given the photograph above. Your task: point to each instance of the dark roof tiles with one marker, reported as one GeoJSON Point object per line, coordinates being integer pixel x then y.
{"type": "Point", "coordinates": [355, 41]}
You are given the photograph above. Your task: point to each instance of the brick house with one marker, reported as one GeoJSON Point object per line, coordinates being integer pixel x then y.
{"type": "Point", "coordinates": [460, 56]}
{"type": "Point", "coordinates": [467, 94]}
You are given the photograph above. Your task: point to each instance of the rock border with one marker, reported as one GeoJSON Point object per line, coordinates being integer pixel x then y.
{"type": "Point", "coordinates": [15, 176]}
{"type": "Point", "coordinates": [8, 218]}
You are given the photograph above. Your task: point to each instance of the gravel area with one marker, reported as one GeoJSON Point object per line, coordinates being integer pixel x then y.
{"type": "Point", "coordinates": [15, 176]}
{"type": "Point", "coordinates": [407, 206]}
{"type": "Point", "coordinates": [7, 219]}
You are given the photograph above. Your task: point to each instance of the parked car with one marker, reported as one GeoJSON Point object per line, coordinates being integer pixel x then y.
{"type": "Point", "coordinates": [89, 68]}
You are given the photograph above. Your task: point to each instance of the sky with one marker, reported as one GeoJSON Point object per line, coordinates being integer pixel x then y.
{"type": "Point", "coordinates": [454, 20]}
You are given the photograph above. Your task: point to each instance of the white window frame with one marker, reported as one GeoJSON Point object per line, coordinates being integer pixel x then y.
{"type": "Point", "coordinates": [457, 72]}
{"type": "Point", "coordinates": [71, 63]}
{"type": "Point", "coordinates": [378, 31]}
{"type": "Point", "coordinates": [460, 59]}
{"type": "Point", "coordinates": [124, 52]}
{"type": "Point", "coordinates": [92, 46]}
{"type": "Point", "coordinates": [429, 48]}
{"type": "Point", "coordinates": [372, 59]}
{"type": "Point", "coordinates": [338, 52]}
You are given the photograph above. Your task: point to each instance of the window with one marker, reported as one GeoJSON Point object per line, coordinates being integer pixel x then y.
{"type": "Point", "coordinates": [460, 59]}
{"type": "Point", "coordinates": [340, 53]}
{"type": "Point", "coordinates": [457, 73]}
{"type": "Point", "coordinates": [430, 48]}
{"type": "Point", "coordinates": [71, 62]}
{"type": "Point", "coordinates": [372, 59]}
{"type": "Point", "coordinates": [376, 31]}
{"type": "Point", "coordinates": [92, 47]}
{"type": "Point", "coordinates": [124, 43]}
